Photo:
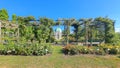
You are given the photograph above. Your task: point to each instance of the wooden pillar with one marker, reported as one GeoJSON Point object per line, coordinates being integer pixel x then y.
{"type": "Point", "coordinates": [18, 34]}
{"type": "Point", "coordinates": [0, 33]}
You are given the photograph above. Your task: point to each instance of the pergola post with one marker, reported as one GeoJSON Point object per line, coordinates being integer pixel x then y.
{"type": "Point", "coordinates": [0, 33]}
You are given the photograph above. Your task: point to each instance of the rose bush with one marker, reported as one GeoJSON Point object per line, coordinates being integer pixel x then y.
{"type": "Point", "coordinates": [98, 50]}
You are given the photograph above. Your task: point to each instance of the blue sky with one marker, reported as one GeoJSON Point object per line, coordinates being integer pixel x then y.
{"type": "Point", "coordinates": [64, 8]}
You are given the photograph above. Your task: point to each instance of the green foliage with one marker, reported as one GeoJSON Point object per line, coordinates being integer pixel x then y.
{"type": "Point", "coordinates": [87, 30]}
{"type": "Point", "coordinates": [98, 50]}
{"type": "Point", "coordinates": [42, 33]}
{"type": "Point", "coordinates": [14, 18]}
{"type": "Point", "coordinates": [36, 31]}
{"type": "Point", "coordinates": [69, 49]}
{"type": "Point", "coordinates": [26, 49]}
{"type": "Point", "coordinates": [109, 29]}
{"type": "Point", "coordinates": [77, 30]}
{"type": "Point", "coordinates": [67, 24]}
{"type": "Point", "coordinates": [113, 51]}
{"type": "Point", "coordinates": [20, 20]}
{"type": "Point", "coordinates": [47, 25]}
{"type": "Point", "coordinates": [25, 20]}
{"type": "Point", "coordinates": [3, 14]}
{"type": "Point", "coordinates": [117, 39]}
{"type": "Point", "coordinates": [29, 33]}
{"type": "Point", "coordinates": [46, 22]}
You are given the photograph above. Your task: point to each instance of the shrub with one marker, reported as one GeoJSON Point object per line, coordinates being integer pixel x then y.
{"type": "Point", "coordinates": [70, 50]}
{"type": "Point", "coordinates": [84, 50]}
{"type": "Point", "coordinates": [32, 49]}
{"type": "Point", "coordinates": [110, 49]}
{"type": "Point", "coordinates": [113, 51]}
{"type": "Point", "coordinates": [73, 50]}
{"type": "Point", "coordinates": [98, 50]}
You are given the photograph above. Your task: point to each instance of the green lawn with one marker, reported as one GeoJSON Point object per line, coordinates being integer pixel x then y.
{"type": "Point", "coordinates": [58, 60]}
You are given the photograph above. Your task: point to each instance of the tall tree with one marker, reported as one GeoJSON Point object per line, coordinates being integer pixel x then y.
{"type": "Point", "coordinates": [4, 14]}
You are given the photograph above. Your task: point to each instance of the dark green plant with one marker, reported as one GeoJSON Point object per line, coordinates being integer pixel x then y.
{"type": "Point", "coordinates": [113, 51]}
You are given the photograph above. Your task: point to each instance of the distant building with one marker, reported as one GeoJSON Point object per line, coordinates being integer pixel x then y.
{"type": "Point", "coordinates": [58, 34]}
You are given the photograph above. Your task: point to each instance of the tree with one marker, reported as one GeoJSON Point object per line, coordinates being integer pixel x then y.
{"type": "Point", "coordinates": [26, 27]}
{"type": "Point", "coordinates": [48, 23]}
{"type": "Point", "coordinates": [4, 14]}
{"type": "Point", "coordinates": [42, 33]}
{"type": "Point", "coordinates": [20, 20]}
{"type": "Point", "coordinates": [117, 38]}
{"type": "Point", "coordinates": [25, 20]}
{"type": "Point", "coordinates": [109, 29]}
{"type": "Point", "coordinates": [28, 19]}
{"type": "Point", "coordinates": [29, 33]}
{"type": "Point", "coordinates": [77, 29]}
{"type": "Point", "coordinates": [67, 23]}
{"type": "Point", "coordinates": [86, 23]}
{"type": "Point", "coordinates": [14, 18]}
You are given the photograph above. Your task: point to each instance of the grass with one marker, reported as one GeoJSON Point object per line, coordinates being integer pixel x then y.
{"type": "Point", "coordinates": [58, 60]}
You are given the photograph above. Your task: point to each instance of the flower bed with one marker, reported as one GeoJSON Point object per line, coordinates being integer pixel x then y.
{"type": "Point", "coordinates": [98, 50]}
{"type": "Point", "coordinates": [33, 49]}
